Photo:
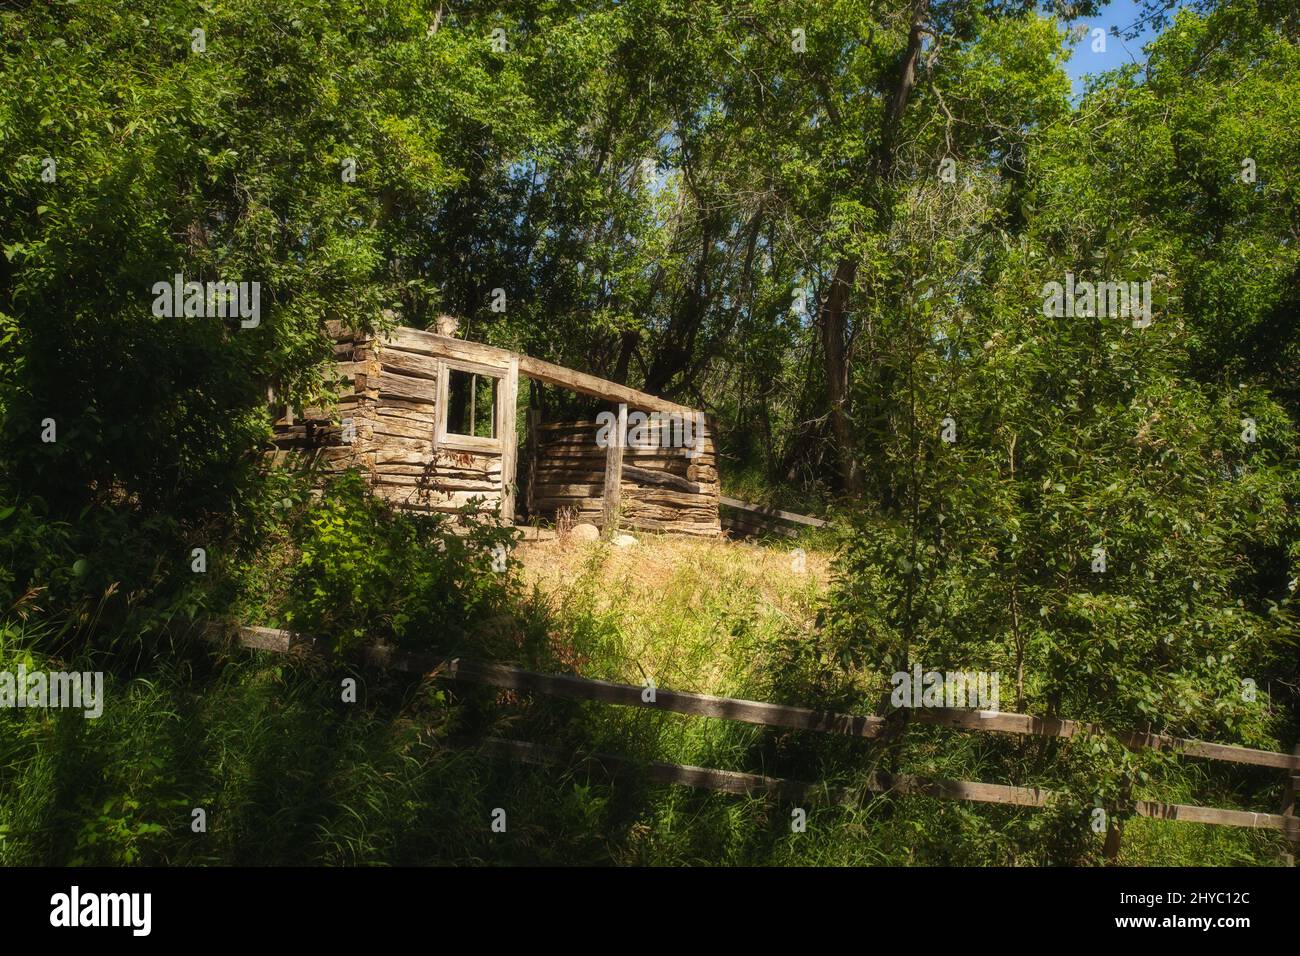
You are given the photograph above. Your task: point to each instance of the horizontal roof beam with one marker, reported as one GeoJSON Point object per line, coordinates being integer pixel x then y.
{"type": "Point", "coordinates": [430, 343]}
{"type": "Point", "coordinates": [553, 374]}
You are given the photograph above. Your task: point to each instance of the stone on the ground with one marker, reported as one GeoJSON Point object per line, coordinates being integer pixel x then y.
{"type": "Point", "coordinates": [585, 532]}
{"type": "Point", "coordinates": [624, 541]}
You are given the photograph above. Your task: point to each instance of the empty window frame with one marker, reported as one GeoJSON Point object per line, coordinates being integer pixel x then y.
{"type": "Point", "coordinates": [469, 413]}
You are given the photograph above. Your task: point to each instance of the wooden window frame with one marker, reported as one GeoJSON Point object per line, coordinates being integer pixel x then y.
{"type": "Point", "coordinates": [471, 443]}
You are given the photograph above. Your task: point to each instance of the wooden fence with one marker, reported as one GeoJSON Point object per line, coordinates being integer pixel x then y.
{"type": "Point", "coordinates": [743, 519]}
{"type": "Point", "coordinates": [801, 718]}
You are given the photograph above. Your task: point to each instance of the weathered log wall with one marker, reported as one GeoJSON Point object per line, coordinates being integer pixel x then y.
{"type": "Point", "coordinates": [391, 397]}
{"type": "Point", "coordinates": [410, 468]}
{"type": "Point", "coordinates": [662, 488]}
{"type": "Point", "coordinates": [387, 424]}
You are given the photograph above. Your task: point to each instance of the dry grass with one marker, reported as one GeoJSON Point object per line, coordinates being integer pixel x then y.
{"type": "Point", "coordinates": [657, 557]}
{"type": "Point", "coordinates": [693, 614]}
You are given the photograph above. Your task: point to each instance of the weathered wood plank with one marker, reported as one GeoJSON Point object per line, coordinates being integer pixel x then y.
{"type": "Point", "coordinates": [409, 364]}
{"type": "Point", "coordinates": [652, 497]}
{"type": "Point", "coordinates": [584, 509]}
{"type": "Point", "coordinates": [1028, 725]}
{"type": "Point", "coordinates": [613, 481]}
{"type": "Point", "coordinates": [412, 496]}
{"type": "Point", "coordinates": [435, 482]}
{"type": "Point", "coordinates": [549, 427]}
{"type": "Point", "coordinates": [266, 638]}
{"type": "Point", "coordinates": [680, 702]}
{"type": "Point", "coordinates": [442, 346]}
{"type": "Point", "coordinates": [406, 387]}
{"type": "Point", "coordinates": [447, 471]}
{"type": "Point", "coordinates": [402, 452]}
{"type": "Point", "coordinates": [702, 528]}
{"type": "Point", "coordinates": [648, 456]}
{"type": "Point", "coordinates": [591, 385]}
{"type": "Point", "coordinates": [759, 511]}
{"type": "Point", "coordinates": [755, 785]}
{"type": "Point", "coordinates": [466, 460]}
{"type": "Point", "coordinates": [554, 472]}
{"type": "Point", "coordinates": [408, 419]}
{"type": "Point", "coordinates": [591, 489]}
{"type": "Point", "coordinates": [568, 470]}
{"type": "Point", "coordinates": [648, 476]}
{"type": "Point", "coordinates": [573, 448]}
{"type": "Point", "coordinates": [403, 407]}
{"type": "Point", "coordinates": [661, 460]}
{"type": "Point", "coordinates": [1214, 815]}
{"type": "Point", "coordinates": [508, 399]}
{"type": "Point", "coordinates": [401, 427]}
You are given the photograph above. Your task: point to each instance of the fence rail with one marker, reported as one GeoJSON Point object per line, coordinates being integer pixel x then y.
{"type": "Point", "coordinates": [801, 718]}
{"type": "Point", "coordinates": [745, 518]}
{"type": "Point", "coordinates": [756, 785]}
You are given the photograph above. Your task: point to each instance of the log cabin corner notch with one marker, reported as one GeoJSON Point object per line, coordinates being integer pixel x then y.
{"type": "Point", "coordinates": [431, 419]}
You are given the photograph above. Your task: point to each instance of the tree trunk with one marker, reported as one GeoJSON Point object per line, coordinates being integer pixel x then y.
{"type": "Point", "coordinates": [833, 325]}
{"type": "Point", "coordinates": [834, 312]}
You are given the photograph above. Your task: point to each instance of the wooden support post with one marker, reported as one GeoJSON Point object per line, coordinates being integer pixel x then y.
{"type": "Point", "coordinates": [532, 419]}
{"type": "Point", "coordinates": [508, 396]}
{"type": "Point", "coordinates": [614, 474]}
{"type": "Point", "coordinates": [1288, 804]}
{"type": "Point", "coordinates": [473, 398]}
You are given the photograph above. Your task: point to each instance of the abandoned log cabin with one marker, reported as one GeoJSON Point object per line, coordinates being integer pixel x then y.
{"type": "Point", "coordinates": [434, 421]}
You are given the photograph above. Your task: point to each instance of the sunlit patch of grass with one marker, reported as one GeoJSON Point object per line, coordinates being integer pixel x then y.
{"type": "Point", "coordinates": [691, 615]}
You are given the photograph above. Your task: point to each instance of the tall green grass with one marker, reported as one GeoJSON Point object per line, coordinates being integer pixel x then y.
{"type": "Point", "coordinates": [288, 773]}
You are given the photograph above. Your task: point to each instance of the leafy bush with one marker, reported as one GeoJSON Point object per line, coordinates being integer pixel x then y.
{"type": "Point", "coordinates": [365, 571]}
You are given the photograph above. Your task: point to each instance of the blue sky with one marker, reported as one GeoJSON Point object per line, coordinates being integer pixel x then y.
{"type": "Point", "coordinates": [1117, 13]}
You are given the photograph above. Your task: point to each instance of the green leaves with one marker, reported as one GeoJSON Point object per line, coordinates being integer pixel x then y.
{"type": "Point", "coordinates": [364, 573]}
{"type": "Point", "coordinates": [1083, 433]}
{"type": "Point", "coordinates": [201, 163]}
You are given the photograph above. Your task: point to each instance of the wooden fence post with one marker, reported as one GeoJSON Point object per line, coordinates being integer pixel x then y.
{"type": "Point", "coordinates": [614, 474]}
{"type": "Point", "coordinates": [1115, 829]}
{"type": "Point", "coordinates": [1288, 805]}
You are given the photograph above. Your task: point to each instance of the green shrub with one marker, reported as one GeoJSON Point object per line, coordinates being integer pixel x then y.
{"type": "Point", "coordinates": [366, 571]}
